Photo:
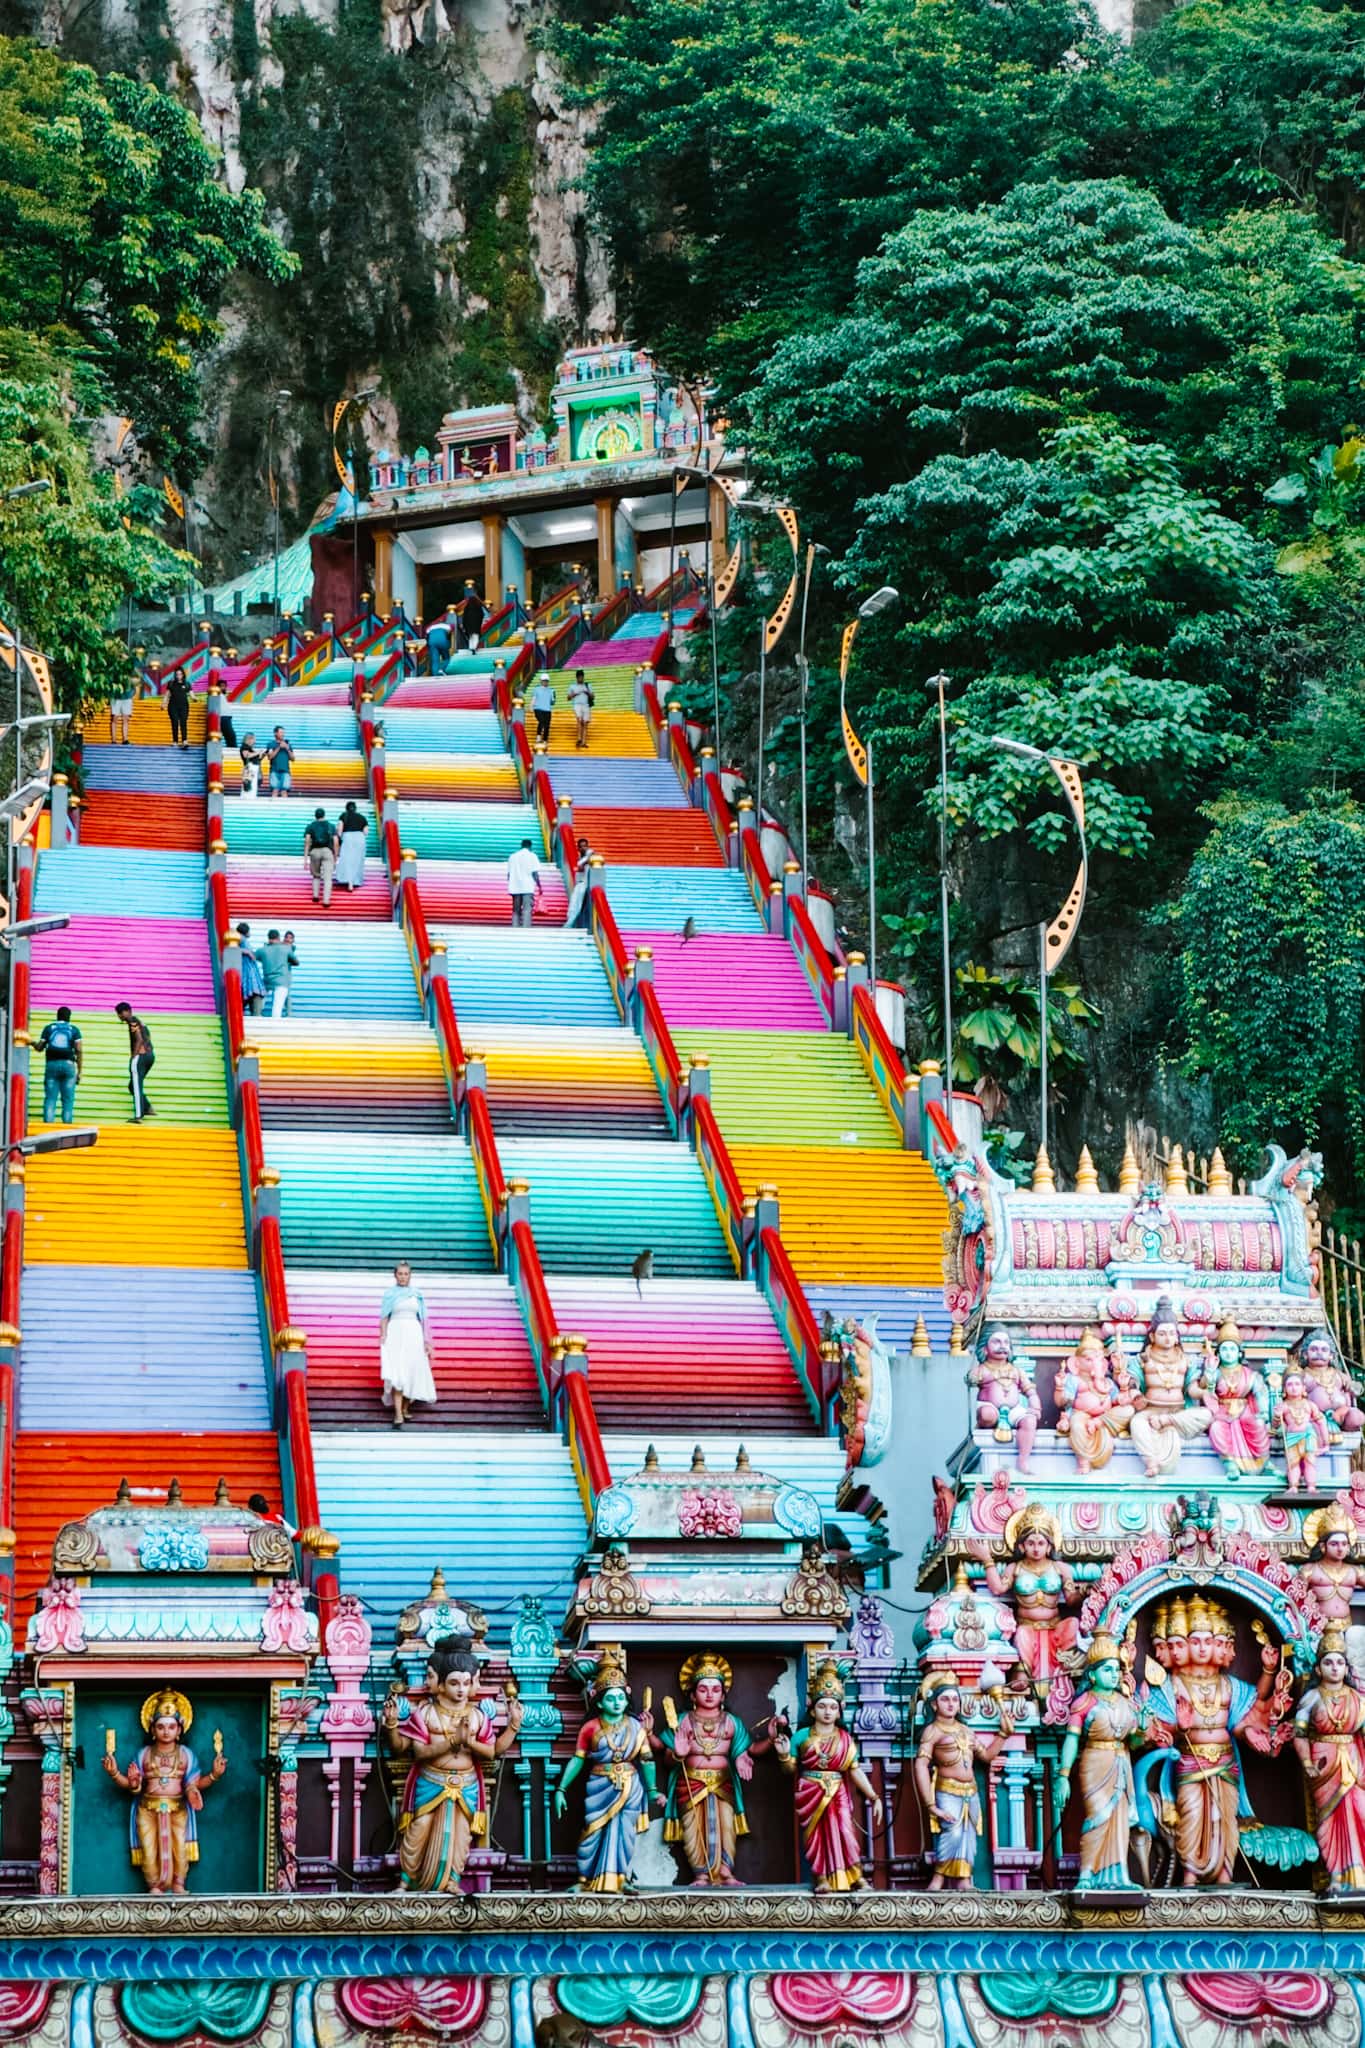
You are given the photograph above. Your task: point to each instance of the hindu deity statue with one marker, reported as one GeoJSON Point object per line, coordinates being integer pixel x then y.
{"type": "Point", "coordinates": [712, 1757]}
{"type": "Point", "coordinates": [1327, 1380]}
{"type": "Point", "coordinates": [1304, 1429]}
{"type": "Point", "coordinates": [168, 1788]}
{"type": "Point", "coordinates": [1102, 1723]}
{"type": "Point", "coordinates": [1333, 1575]}
{"type": "Point", "coordinates": [823, 1757]}
{"type": "Point", "coordinates": [945, 1778]}
{"type": "Point", "coordinates": [1007, 1396]}
{"type": "Point", "coordinates": [1238, 1403]}
{"type": "Point", "coordinates": [1093, 1407]}
{"type": "Point", "coordinates": [1196, 1715]}
{"type": "Point", "coordinates": [613, 1748]}
{"type": "Point", "coordinates": [1165, 1417]}
{"type": "Point", "coordinates": [1329, 1737]}
{"type": "Point", "coordinates": [1040, 1584]}
{"type": "Point", "coordinates": [449, 1736]}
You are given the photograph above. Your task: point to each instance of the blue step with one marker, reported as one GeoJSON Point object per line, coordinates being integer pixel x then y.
{"type": "Point", "coordinates": [661, 899]}
{"type": "Point", "coordinates": [309, 728]}
{"type": "Point", "coordinates": [109, 881]}
{"type": "Point", "coordinates": [164, 771]}
{"type": "Point", "coordinates": [640, 626]}
{"type": "Point", "coordinates": [440, 732]}
{"type": "Point", "coordinates": [498, 1511]}
{"type": "Point", "coordinates": [600, 783]}
{"type": "Point", "coordinates": [434, 831]}
{"type": "Point", "coordinates": [349, 968]}
{"type": "Point", "coordinates": [498, 975]}
{"type": "Point", "coordinates": [106, 1348]}
{"type": "Point", "coordinates": [896, 1308]}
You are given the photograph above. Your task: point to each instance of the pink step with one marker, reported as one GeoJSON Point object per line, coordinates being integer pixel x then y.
{"type": "Point", "coordinates": [152, 962]}
{"type": "Point", "coordinates": [475, 892]}
{"type": "Point", "coordinates": [441, 693]}
{"type": "Point", "coordinates": [278, 891]}
{"type": "Point", "coordinates": [740, 980]}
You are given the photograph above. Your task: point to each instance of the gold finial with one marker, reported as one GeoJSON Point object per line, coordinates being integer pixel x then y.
{"type": "Point", "coordinates": [1044, 1180]}
{"type": "Point", "coordinates": [920, 1346]}
{"type": "Point", "coordinates": [174, 1495]}
{"type": "Point", "coordinates": [1220, 1180]}
{"type": "Point", "coordinates": [1130, 1179]}
{"type": "Point", "coordinates": [1177, 1180]}
{"type": "Point", "coordinates": [957, 1340]}
{"type": "Point", "coordinates": [221, 1496]}
{"type": "Point", "coordinates": [651, 1458]}
{"type": "Point", "coordinates": [742, 1460]}
{"type": "Point", "coordinates": [437, 1589]}
{"type": "Point", "coordinates": [1087, 1180]}
{"type": "Point", "coordinates": [698, 1458]}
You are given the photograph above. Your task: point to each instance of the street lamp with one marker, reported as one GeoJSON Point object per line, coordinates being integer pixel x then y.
{"type": "Point", "coordinates": [860, 759]}
{"type": "Point", "coordinates": [56, 1141]}
{"type": "Point", "coordinates": [1054, 940]}
{"type": "Point", "coordinates": [36, 489]}
{"type": "Point", "coordinates": [680, 476]}
{"type": "Point", "coordinates": [813, 548]}
{"type": "Point", "coordinates": [32, 927]}
{"type": "Point", "coordinates": [282, 399]}
{"type": "Point", "coordinates": [346, 409]}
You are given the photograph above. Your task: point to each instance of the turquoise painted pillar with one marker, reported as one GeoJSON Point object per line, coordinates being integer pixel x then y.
{"type": "Point", "coordinates": [514, 562]}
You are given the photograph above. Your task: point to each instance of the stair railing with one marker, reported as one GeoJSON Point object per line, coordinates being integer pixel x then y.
{"type": "Point", "coordinates": [723, 1182]}
{"type": "Point", "coordinates": [12, 1239]}
{"type": "Point", "coordinates": [785, 1295]}
{"type": "Point", "coordinates": [810, 952]}
{"type": "Point", "coordinates": [660, 1050]}
{"type": "Point", "coordinates": [896, 1090]}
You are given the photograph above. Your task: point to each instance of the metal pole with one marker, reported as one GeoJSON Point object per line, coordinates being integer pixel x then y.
{"type": "Point", "coordinates": [355, 517]}
{"type": "Point", "coordinates": [711, 618]}
{"type": "Point", "coordinates": [941, 680]}
{"type": "Point", "coordinates": [1042, 1035]}
{"type": "Point", "coordinates": [275, 494]}
{"type": "Point", "coordinates": [871, 878]}
{"type": "Point", "coordinates": [805, 683]}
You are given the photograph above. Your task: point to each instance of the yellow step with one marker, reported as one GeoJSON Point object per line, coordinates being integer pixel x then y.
{"type": "Point", "coordinates": [613, 733]}
{"type": "Point", "coordinates": [851, 1215]}
{"type": "Point", "coordinates": [146, 1195]}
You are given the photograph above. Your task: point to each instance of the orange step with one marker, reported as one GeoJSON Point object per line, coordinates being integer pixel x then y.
{"type": "Point", "coordinates": [117, 817]}
{"type": "Point", "coordinates": [60, 1478]}
{"type": "Point", "coordinates": [649, 838]}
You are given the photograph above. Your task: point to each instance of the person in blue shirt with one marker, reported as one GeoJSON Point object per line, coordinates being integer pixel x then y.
{"type": "Point", "coordinates": [60, 1045]}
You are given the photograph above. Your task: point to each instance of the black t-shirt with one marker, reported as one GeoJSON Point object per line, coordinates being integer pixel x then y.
{"type": "Point", "coordinates": [318, 832]}
{"type": "Point", "coordinates": [352, 821]}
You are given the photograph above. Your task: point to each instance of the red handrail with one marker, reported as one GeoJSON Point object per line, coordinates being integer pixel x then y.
{"type": "Point", "coordinates": [943, 1126]}
{"type": "Point", "coordinates": [417, 923]}
{"type": "Point", "coordinates": [536, 1303]}
{"type": "Point", "coordinates": [880, 1046]}
{"type": "Point", "coordinates": [486, 1145]}
{"type": "Point", "coordinates": [779, 1263]}
{"type": "Point", "coordinates": [814, 955]}
{"type": "Point", "coordinates": [653, 1025]}
{"type": "Point", "coordinates": [446, 1025]}
{"type": "Point", "coordinates": [235, 1017]}
{"type": "Point", "coordinates": [253, 1138]}
{"type": "Point", "coordinates": [578, 1396]}
{"type": "Point", "coordinates": [704, 1118]}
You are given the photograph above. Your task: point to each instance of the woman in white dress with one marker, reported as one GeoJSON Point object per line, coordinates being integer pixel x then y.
{"type": "Point", "coordinates": [351, 830]}
{"type": "Point", "coordinates": [404, 1346]}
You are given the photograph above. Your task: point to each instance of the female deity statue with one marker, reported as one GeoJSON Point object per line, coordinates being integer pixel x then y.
{"type": "Point", "coordinates": [1333, 1576]}
{"type": "Point", "coordinates": [1237, 1401]}
{"type": "Point", "coordinates": [1093, 1409]}
{"type": "Point", "coordinates": [1040, 1585]}
{"type": "Point", "coordinates": [1007, 1398]}
{"type": "Point", "coordinates": [1304, 1428]}
{"type": "Point", "coordinates": [1329, 1736]}
{"type": "Point", "coordinates": [613, 1748]}
{"type": "Point", "coordinates": [823, 1757]}
{"type": "Point", "coordinates": [1166, 1418]}
{"type": "Point", "coordinates": [449, 1737]}
{"type": "Point", "coordinates": [168, 1792]}
{"type": "Point", "coordinates": [1327, 1380]}
{"type": "Point", "coordinates": [945, 1778]}
{"type": "Point", "coordinates": [1102, 1722]}
{"type": "Point", "coordinates": [712, 1757]}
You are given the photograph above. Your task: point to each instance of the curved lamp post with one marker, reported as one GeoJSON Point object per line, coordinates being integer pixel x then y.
{"type": "Point", "coordinates": [860, 759]}
{"type": "Point", "coordinates": [278, 405]}
{"type": "Point", "coordinates": [346, 409]}
{"type": "Point", "coordinates": [1055, 939]}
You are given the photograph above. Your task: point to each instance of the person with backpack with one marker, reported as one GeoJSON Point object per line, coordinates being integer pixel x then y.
{"type": "Point", "coordinates": [471, 620]}
{"type": "Point", "coordinates": [320, 854]}
{"type": "Point", "coordinates": [60, 1045]}
{"type": "Point", "coordinates": [141, 1060]}
{"type": "Point", "coordinates": [581, 701]}
{"type": "Point", "coordinates": [253, 981]}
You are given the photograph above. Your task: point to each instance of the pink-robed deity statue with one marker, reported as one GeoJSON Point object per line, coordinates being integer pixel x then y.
{"type": "Point", "coordinates": [1007, 1397]}
{"type": "Point", "coordinates": [1093, 1408]}
{"type": "Point", "coordinates": [823, 1758]}
{"type": "Point", "coordinates": [1329, 1738]}
{"type": "Point", "coordinates": [1237, 1401]}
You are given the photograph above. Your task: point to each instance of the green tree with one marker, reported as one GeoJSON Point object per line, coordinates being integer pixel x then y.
{"type": "Point", "coordinates": [117, 238]}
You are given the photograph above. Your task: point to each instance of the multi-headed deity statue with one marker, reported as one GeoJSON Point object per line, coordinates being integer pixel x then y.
{"type": "Point", "coordinates": [712, 1759]}
{"type": "Point", "coordinates": [1196, 1715]}
{"type": "Point", "coordinates": [1332, 1574]}
{"type": "Point", "coordinates": [1094, 1408]}
{"type": "Point", "coordinates": [945, 1778]}
{"type": "Point", "coordinates": [1329, 1737]}
{"type": "Point", "coordinates": [1006, 1392]}
{"type": "Point", "coordinates": [449, 1736]}
{"type": "Point", "coordinates": [1102, 1723]}
{"type": "Point", "coordinates": [1304, 1429]}
{"type": "Point", "coordinates": [1040, 1584]}
{"type": "Point", "coordinates": [613, 1748]}
{"type": "Point", "coordinates": [168, 1789]}
{"type": "Point", "coordinates": [1327, 1380]}
{"type": "Point", "coordinates": [1238, 1403]}
{"type": "Point", "coordinates": [824, 1759]}
{"type": "Point", "coordinates": [1166, 1416]}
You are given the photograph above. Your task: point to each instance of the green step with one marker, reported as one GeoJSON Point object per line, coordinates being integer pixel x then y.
{"type": "Point", "coordinates": [187, 1084]}
{"type": "Point", "coordinates": [791, 1088]}
{"type": "Point", "coordinates": [613, 689]}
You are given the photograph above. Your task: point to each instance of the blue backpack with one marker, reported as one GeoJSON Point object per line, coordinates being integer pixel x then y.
{"type": "Point", "coordinates": [61, 1041]}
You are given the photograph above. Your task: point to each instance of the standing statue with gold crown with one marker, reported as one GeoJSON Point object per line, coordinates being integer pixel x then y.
{"type": "Point", "coordinates": [1040, 1584]}
{"type": "Point", "coordinates": [1103, 1721]}
{"type": "Point", "coordinates": [1329, 1737]}
{"type": "Point", "coordinates": [824, 1759]}
{"type": "Point", "coordinates": [712, 1758]}
{"type": "Point", "coordinates": [613, 1748]}
{"type": "Point", "coordinates": [945, 1778]}
{"type": "Point", "coordinates": [168, 1792]}
{"type": "Point", "coordinates": [1333, 1576]}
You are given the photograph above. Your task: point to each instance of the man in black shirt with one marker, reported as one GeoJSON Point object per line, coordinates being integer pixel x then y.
{"type": "Point", "coordinates": [320, 854]}
{"type": "Point", "coordinates": [141, 1059]}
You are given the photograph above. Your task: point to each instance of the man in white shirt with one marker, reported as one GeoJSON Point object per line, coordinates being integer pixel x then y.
{"type": "Point", "coordinates": [523, 883]}
{"type": "Point", "coordinates": [543, 704]}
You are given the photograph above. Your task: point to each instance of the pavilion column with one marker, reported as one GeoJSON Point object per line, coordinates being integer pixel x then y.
{"type": "Point", "coordinates": [605, 509]}
{"type": "Point", "coordinates": [492, 560]}
{"type": "Point", "coordinates": [720, 507]}
{"type": "Point", "coordinates": [383, 569]}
